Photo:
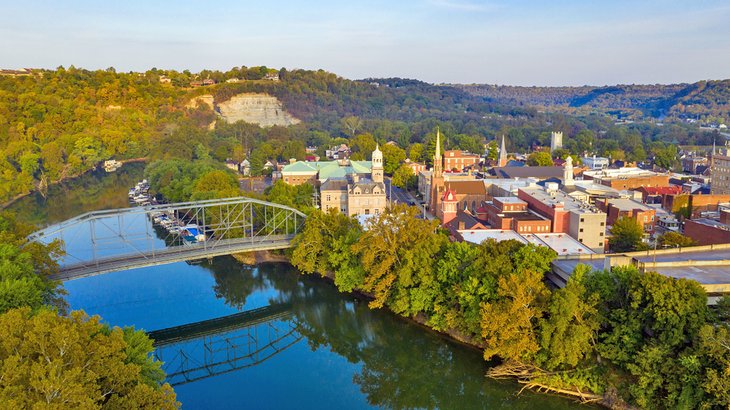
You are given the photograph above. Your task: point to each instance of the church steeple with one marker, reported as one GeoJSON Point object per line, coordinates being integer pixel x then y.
{"type": "Point", "coordinates": [502, 161]}
{"type": "Point", "coordinates": [437, 160]}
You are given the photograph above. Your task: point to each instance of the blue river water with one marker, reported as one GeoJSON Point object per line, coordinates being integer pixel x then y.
{"type": "Point", "coordinates": [308, 347]}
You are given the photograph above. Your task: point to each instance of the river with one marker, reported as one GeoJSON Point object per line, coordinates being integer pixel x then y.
{"type": "Point", "coordinates": [307, 346]}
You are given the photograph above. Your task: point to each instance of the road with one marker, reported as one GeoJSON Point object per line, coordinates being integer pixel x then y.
{"type": "Point", "coordinates": [404, 197]}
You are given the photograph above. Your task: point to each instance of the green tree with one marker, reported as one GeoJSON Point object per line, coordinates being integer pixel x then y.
{"type": "Point", "coordinates": [675, 240]}
{"type": "Point", "coordinates": [362, 147]}
{"type": "Point", "coordinates": [75, 362]}
{"type": "Point", "coordinates": [404, 178]}
{"type": "Point", "coordinates": [569, 332]}
{"type": "Point", "coordinates": [626, 236]}
{"type": "Point", "coordinates": [509, 324]}
{"type": "Point", "coordinates": [215, 184]}
{"type": "Point", "coordinates": [25, 268]}
{"type": "Point", "coordinates": [415, 152]}
{"type": "Point", "coordinates": [397, 252]}
{"type": "Point", "coordinates": [393, 156]}
{"type": "Point", "coordinates": [540, 158]}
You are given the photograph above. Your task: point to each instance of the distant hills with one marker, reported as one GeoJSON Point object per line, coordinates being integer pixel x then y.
{"type": "Point", "coordinates": [707, 101]}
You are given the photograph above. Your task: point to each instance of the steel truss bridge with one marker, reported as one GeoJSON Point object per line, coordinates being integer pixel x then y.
{"type": "Point", "coordinates": [120, 239]}
{"type": "Point", "coordinates": [209, 348]}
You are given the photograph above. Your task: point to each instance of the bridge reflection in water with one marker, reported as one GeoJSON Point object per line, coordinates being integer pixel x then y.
{"type": "Point", "coordinates": [209, 348]}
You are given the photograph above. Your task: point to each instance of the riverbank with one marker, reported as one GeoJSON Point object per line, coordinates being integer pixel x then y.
{"type": "Point", "coordinates": [69, 178]}
{"type": "Point", "coordinates": [527, 375]}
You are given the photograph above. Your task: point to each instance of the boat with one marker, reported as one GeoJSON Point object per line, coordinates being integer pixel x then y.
{"type": "Point", "coordinates": [192, 233]}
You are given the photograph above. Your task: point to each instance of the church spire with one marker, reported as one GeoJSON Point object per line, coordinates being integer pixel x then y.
{"type": "Point", "coordinates": [437, 162]}
{"type": "Point", "coordinates": [502, 161]}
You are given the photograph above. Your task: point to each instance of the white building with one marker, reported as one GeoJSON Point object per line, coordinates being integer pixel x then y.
{"type": "Point", "coordinates": [595, 162]}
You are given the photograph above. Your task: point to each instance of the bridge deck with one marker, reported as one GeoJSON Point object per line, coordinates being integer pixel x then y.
{"type": "Point", "coordinates": [172, 254]}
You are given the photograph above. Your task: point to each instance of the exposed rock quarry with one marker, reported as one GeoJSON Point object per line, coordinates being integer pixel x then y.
{"type": "Point", "coordinates": [262, 109]}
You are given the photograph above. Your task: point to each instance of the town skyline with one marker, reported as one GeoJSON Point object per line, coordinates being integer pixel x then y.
{"type": "Point", "coordinates": [437, 41]}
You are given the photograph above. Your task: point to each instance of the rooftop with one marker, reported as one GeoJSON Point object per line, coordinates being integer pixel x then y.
{"type": "Point", "coordinates": [510, 200]}
{"type": "Point", "coordinates": [629, 205]}
{"type": "Point", "coordinates": [621, 173]}
{"type": "Point", "coordinates": [552, 198]}
{"type": "Point", "coordinates": [527, 172]}
{"type": "Point", "coordinates": [329, 169]}
{"type": "Point", "coordinates": [561, 243]}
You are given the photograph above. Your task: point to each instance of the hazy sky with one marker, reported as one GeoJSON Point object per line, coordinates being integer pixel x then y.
{"type": "Point", "coordinates": [552, 42]}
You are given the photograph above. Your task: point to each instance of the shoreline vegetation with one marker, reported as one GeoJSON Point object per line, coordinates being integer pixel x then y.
{"type": "Point", "coordinates": [617, 338]}
{"type": "Point", "coordinates": [64, 179]}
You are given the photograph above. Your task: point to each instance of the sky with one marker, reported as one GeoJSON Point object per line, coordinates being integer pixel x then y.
{"type": "Point", "coordinates": [543, 43]}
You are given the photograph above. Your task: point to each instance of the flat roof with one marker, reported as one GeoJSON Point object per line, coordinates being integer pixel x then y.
{"type": "Point", "coordinates": [478, 236]}
{"type": "Point", "coordinates": [629, 205]}
{"type": "Point", "coordinates": [509, 200]}
{"type": "Point", "coordinates": [705, 275]}
{"type": "Point", "coordinates": [561, 243]}
{"type": "Point", "coordinates": [561, 198]}
{"type": "Point", "coordinates": [523, 216]}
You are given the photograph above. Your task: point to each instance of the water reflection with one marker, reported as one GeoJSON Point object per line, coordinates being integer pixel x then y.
{"type": "Point", "coordinates": [91, 192]}
{"type": "Point", "coordinates": [401, 365]}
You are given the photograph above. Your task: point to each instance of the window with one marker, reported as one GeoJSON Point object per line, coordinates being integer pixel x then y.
{"type": "Point", "coordinates": [582, 219]}
{"type": "Point", "coordinates": [603, 224]}
{"type": "Point", "coordinates": [580, 240]}
{"type": "Point", "coordinates": [580, 230]}
{"type": "Point", "coordinates": [329, 198]}
{"type": "Point", "coordinates": [367, 211]}
{"type": "Point", "coordinates": [600, 233]}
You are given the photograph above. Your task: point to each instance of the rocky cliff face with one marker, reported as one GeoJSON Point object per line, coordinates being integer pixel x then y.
{"type": "Point", "coordinates": [262, 109]}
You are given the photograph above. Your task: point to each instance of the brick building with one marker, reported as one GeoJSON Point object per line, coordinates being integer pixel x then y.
{"type": "Point", "coordinates": [659, 195]}
{"type": "Point", "coordinates": [707, 231]}
{"type": "Point", "coordinates": [720, 172]}
{"type": "Point", "coordinates": [512, 213]}
{"type": "Point", "coordinates": [459, 160]}
{"type": "Point", "coordinates": [578, 219]}
{"type": "Point", "coordinates": [619, 208]}
{"type": "Point", "coordinates": [627, 178]}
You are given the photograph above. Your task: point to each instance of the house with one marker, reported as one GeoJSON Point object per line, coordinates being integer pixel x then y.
{"type": "Point", "coordinates": [245, 167]}
{"type": "Point", "coordinates": [165, 79]}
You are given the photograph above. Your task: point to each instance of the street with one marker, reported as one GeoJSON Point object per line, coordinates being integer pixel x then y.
{"type": "Point", "coordinates": [402, 196]}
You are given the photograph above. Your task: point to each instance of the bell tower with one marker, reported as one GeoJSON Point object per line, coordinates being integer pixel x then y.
{"type": "Point", "coordinates": [377, 165]}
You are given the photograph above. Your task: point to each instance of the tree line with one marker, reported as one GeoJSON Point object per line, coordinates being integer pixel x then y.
{"type": "Point", "coordinates": [618, 335]}
{"type": "Point", "coordinates": [53, 358]}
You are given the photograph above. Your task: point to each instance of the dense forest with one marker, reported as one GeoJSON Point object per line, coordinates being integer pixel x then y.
{"type": "Point", "coordinates": [705, 101]}
{"type": "Point", "coordinates": [56, 124]}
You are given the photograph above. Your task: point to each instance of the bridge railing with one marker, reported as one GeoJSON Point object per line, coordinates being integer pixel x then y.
{"type": "Point", "coordinates": [154, 234]}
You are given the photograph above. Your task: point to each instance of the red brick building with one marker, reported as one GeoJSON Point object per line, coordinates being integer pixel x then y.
{"type": "Point", "coordinates": [707, 231]}
{"type": "Point", "coordinates": [659, 195]}
{"type": "Point", "coordinates": [458, 160]}
{"type": "Point", "coordinates": [620, 208]}
{"type": "Point", "coordinates": [512, 213]}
